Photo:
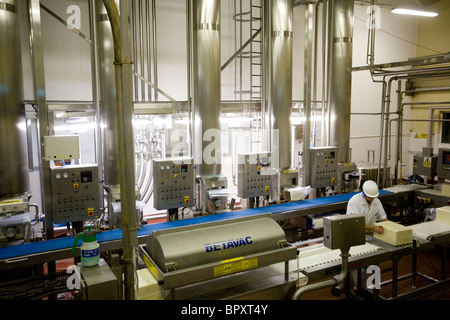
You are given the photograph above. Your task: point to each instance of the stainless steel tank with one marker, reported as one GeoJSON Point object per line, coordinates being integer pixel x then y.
{"type": "Point", "coordinates": [340, 64]}
{"type": "Point", "coordinates": [108, 105]}
{"type": "Point", "coordinates": [281, 80]}
{"type": "Point", "coordinates": [207, 87]}
{"type": "Point", "coordinates": [369, 171]}
{"type": "Point", "coordinates": [14, 178]}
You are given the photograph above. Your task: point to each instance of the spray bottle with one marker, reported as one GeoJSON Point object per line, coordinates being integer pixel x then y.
{"type": "Point", "coordinates": [90, 249]}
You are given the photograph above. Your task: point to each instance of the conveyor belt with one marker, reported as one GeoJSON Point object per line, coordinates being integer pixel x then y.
{"type": "Point", "coordinates": [65, 243]}
{"type": "Point", "coordinates": [322, 255]}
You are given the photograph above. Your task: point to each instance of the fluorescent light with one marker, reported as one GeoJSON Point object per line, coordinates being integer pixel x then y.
{"type": "Point", "coordinates": [415, 12]}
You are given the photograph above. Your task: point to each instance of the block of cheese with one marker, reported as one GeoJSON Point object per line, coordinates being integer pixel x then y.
{"type": "Point", "coordinates": [394, 233]}
{"type": "Point", "coordinates": [443, 214]}
{"type": "Point", "coordinates": [445, 190]}
{"type": "Point", "coordinates": [148, 288]}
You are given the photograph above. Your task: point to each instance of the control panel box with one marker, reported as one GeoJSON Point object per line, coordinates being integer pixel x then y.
{"type": "Point", "coordinates": [443, 164]}
{"type": "Point", "coordinates": [75, 193]}
{"type": "Point", "coordinates": [344, 231]}
{"type": "Point", "coordinates": [255, 175]}
{"type": "Point", "coordinates": [173, 183]}
{"type": "Point", "coordinates": [61, 147]}
{"type": "Point", "coordinates": [324, 167]}
{"type": "Point", "coordinates": [425, 166]}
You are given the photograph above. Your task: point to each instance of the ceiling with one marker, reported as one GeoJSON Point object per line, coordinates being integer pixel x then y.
{"type": "Point", "coordinates": [394, 3]}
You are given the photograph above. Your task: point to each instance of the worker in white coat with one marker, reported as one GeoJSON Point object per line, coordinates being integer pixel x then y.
{"type": "Point", "coordinates": [367, 204]}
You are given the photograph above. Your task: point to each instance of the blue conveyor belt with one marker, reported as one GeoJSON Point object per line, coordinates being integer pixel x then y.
{"type": "Point", "coordinates": [65, 243]}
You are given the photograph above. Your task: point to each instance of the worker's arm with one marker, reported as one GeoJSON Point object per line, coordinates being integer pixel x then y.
{"type": "Point", "coordinates": [377, 229]}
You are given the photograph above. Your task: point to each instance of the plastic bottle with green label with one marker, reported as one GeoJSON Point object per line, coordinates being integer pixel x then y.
{"type": "Point", "coordinates": [90, 249]}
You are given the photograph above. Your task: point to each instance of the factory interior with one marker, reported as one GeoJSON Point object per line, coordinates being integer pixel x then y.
{"type": "Point", "coordinates": [123, 175]}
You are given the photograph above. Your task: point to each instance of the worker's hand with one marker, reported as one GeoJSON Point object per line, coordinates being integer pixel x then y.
{"type": "Point", "coordinates": [378, 229]}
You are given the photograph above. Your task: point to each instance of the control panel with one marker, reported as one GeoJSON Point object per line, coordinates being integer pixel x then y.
{"type": "Point", "coordinates": [173, 183]}
{"type": "Point", "coordinates": [324, 167]}
{"type": "Point", "coordinates": [255, 175]}
{"type": "Point", "coordinates": [75, 193]}
{"type": "Point", "coordinates": [443, 165]}
{"type": "Point", "coordinates": [425, 166]}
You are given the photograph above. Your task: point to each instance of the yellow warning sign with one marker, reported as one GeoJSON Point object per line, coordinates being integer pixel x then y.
{"type": "Point", "coordinates": [10, 201]}
{"type": "Point", "coordinates": [420, 135]}
{"type": "Point", "coordinates": [235, 266]}
{"type": "Point", "coordinates": [427, 162]}
{"type": "Point", "coordinates": [150, 266]}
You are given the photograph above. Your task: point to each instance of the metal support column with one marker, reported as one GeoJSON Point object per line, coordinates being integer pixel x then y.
{"type": "Point", "coordinates": [37, 58]}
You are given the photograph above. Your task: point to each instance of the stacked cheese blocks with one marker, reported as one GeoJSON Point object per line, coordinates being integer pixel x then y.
{"type": "Point", "coordinates": [441, 224]}
{"type": "Point", "coordinates": [443, 215]}
{"type": "Point", "coordinates": [394, 233]}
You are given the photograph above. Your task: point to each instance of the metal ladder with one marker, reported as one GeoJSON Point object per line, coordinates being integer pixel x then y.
{"type": "Point", "coordinates": [248, 20]}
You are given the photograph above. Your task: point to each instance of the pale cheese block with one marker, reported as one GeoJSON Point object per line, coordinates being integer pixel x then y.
{"type": "Point", "coordinates": [148, 288]}
{"type": "Point", "coordinates": [445, 190]}
{"type": "Point", "coordinates": [443, 214]}
{"type": "Point", "coordinates": [394, 233]}
{"type": "Point", "coordinates": [426, 229]}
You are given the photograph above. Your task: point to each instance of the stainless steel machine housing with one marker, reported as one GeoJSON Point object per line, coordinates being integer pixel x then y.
{"type": "Point", "coordinates": [190, 254]}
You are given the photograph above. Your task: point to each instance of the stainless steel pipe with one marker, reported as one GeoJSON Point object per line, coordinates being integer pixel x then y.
{"type": "Point", "coordinates": [13, 150]}
{"type": "Point", "coordinates": [341, 48]}
{"type": "Point", "coordinates": [120, 25]}
{"type": "Point", "coordinates": [207, 86]}
{"type": "Point", "coordinates": [328, 283]}
{"type": "Point", "coordinates": [281, 79]}
{"type": "Point", "coordinates": [108, 106]}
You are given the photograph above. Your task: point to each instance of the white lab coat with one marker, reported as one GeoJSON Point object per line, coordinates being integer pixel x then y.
{"type": "Point", "coordinates": [372, 212]}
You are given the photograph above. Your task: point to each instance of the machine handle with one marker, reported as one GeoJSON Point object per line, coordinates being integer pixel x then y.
{"type": "Point", "coordinates": [78, 237]}
{"type": "Point", "coordinates": [16, 260]}
{"type": "Point", "coordinates": [373, 155]}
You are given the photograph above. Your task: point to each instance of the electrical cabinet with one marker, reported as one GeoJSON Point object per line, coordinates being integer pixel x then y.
{"type": "Point", "coordinates": [173, 183]}
{"type": "Point", "coordinates": [344, 231]}
{"type": "Point", "coordinates": [324, 167]}
{"type": "Point", "coordinates": [255, 175]}
{"type": "Point", "coordinates": [425, 164]}
{"type": "Point", "coordinates": [61, 147]}
{"type": "Point", "coordinates": [75, 193]}
{"type": "Point", "coordinates": [443, 165]}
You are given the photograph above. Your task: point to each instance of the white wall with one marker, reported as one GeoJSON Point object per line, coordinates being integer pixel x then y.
{"type": "Point", "coordinates": [395, 41]}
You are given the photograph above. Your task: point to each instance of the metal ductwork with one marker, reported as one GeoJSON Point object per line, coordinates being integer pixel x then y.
{"type": "Point", "coordinates": [281, 80]}
{"type": "Point", "coordinates": [340, 81]}
{"type": "Point", "coordinates": [207, 86]}
{"type": "Point", "coordinates": [108, 97]}
{"type": "Point", "coordinates": [14, 178]}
